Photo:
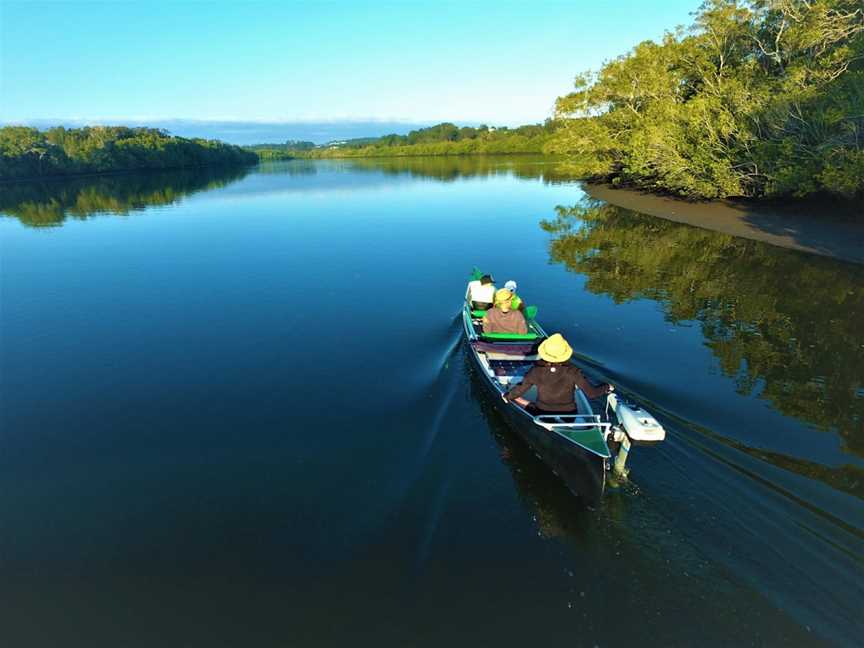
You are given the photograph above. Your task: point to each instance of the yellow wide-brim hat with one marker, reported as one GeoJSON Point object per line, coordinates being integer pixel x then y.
{"type": "Point", "coordinates": [555, 349]}
{"type": "Point", "coordinates": [503, 296]}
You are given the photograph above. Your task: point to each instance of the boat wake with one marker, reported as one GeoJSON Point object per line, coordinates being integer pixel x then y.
{"type": "Point", "coordinates": [744, 523]}
{"type": "Point", "coordinates": [787, 528]}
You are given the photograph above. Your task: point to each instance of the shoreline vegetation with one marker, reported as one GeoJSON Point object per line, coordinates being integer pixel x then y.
{"type": "Point", "coordinates": [759, 98]}
{"type": "Point", "coordinates": [29, 153]}
{"type": "Point", "coordinates": [826, 227]}
{"type": "Point", "coordinates": [444, 139]}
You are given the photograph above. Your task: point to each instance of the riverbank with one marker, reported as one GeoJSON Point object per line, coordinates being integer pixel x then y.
{"type": "Point", "coordinates": [29, 153]}
{"type": "Point", "coordinates": [794, 226]}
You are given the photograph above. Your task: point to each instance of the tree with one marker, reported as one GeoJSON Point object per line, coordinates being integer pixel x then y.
{"type": "Point", "coordinates": [764, 97]}
{"type": "Point", "coordinates": [29, 152]}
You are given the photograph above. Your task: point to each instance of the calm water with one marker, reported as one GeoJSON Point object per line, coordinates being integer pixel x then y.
{"type": "Point", "coordinates": [236, 410]}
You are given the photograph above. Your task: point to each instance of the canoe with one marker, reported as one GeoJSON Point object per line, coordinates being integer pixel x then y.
{"type": "Point", "coordinates": [573, 446]}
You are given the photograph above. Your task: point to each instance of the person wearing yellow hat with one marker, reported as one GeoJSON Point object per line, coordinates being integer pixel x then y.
{"type": "Point", "coordinates": [555, 378]}
{"type": "Point", "coordinates": [503, 318]}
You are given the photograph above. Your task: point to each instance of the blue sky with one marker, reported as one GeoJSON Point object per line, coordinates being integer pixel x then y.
{"type": "Point", "coordinates": [496, 62]}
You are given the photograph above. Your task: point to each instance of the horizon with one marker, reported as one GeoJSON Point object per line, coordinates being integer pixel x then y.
{"type": "Point", "coordinates": [248, 133]}
{"type": "Point", "coordinates": [502, 64]}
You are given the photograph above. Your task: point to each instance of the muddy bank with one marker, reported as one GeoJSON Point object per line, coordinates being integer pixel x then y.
{"type": "Point", "coordinates": [835, 232]}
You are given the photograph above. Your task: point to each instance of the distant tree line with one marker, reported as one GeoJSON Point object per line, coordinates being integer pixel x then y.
{"type": "Point", "coordinates": [32, 153]}
{"type": "Point", "coordinates": [285, 151]}
{"type": "Point", "coordinates": [447, 132]}
{"type": "Point", "coordinates": [441, 139]}
{"type": "Point", "coordinates": [757, 98]}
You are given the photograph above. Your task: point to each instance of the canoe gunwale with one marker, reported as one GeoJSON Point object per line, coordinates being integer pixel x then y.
{"type": "Point", "coordinates": [581, 468]}
{"type": "Point", "coordinates": [534, 419]}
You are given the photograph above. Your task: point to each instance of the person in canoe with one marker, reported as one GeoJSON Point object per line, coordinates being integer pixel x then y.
{"type": "Point", "coordinates": [502, 318]}
{"type": "Point", "coordinates": [556, 380]}
{"type": "Point", "coordinates": [516, 303]}
{"type": "Point", "coordinates": [481, 292]}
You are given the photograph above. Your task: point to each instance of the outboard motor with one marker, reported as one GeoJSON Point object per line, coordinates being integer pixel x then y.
{"type": "Point", "coordinates": [634, 424]}
{"type": "Point", "coordinates": [639, 425]}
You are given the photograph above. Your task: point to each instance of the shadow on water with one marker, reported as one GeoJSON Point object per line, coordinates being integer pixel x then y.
{"type": "Point", "coordinates": [818, 225]}
{"type": "Point", "coordinates": [557, 511]}
{"type": "Point", "coordinates": [49, 203]}
{"type": "Point", "coordinates": [825, 226]}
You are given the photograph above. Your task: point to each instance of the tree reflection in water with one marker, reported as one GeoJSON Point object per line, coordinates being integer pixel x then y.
{"type": "Point", "coordinates": [450, 168]}
{"type": "Point", "coordinates": [782, 324]}
{"type": "Point", "coordinates": [50, 202]}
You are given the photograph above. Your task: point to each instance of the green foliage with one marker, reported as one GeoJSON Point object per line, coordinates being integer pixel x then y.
{"type": "Point", "coordinates": [266, 154]}
{"type": "Point", "coordinates": [785, 326]}
{"type": "Point", "coordinates": [298, 145]}
{"type": "Point", "coordinates": [284, 151]}
{"type": "Point", "coordinates": [30, 153]}
{"type": "Point", "coordinates": [443, 139]}
{"type": "Point", "coordinates": [760, 97]}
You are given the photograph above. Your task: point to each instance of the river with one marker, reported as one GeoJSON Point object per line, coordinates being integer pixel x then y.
{"type": "Point", "coordinates": [237, 410]}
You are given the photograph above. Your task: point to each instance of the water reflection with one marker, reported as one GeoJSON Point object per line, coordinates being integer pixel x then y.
{"type": "Point", "coordinates": [288, 167]}
{"type": "Point", "coordinates": [784, 325]}
{"type": "Point", "coordinates": [450, 168]}
{"type": "Point", "coordinates": [49, 203]}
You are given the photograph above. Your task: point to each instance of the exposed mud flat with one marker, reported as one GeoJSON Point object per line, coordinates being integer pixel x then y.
{"type": "Point", "coordinates": [836, 232]}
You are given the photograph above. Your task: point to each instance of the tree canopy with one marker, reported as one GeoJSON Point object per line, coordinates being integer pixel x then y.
{"type": "Point", "coordinates": [757, 98]}
{"type": "Point", "coordinates": [32, 153]}
{"type": "Point", "coordinates": [441, 139]}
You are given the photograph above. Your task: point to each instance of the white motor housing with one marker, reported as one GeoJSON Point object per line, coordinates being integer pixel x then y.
{"type": "Point", "coordinates": [639, 424]}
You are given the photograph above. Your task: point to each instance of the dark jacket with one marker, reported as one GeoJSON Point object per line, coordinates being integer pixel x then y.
{"type": "Point", "coordinates": [555, 386]}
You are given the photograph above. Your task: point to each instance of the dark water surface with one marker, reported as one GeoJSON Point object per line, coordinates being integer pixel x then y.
{"type": "Point", "coordinates": [236, 410]}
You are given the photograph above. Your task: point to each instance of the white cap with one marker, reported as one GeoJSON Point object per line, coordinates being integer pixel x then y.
{"type": "Point", "coordinates": [510, 285]}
